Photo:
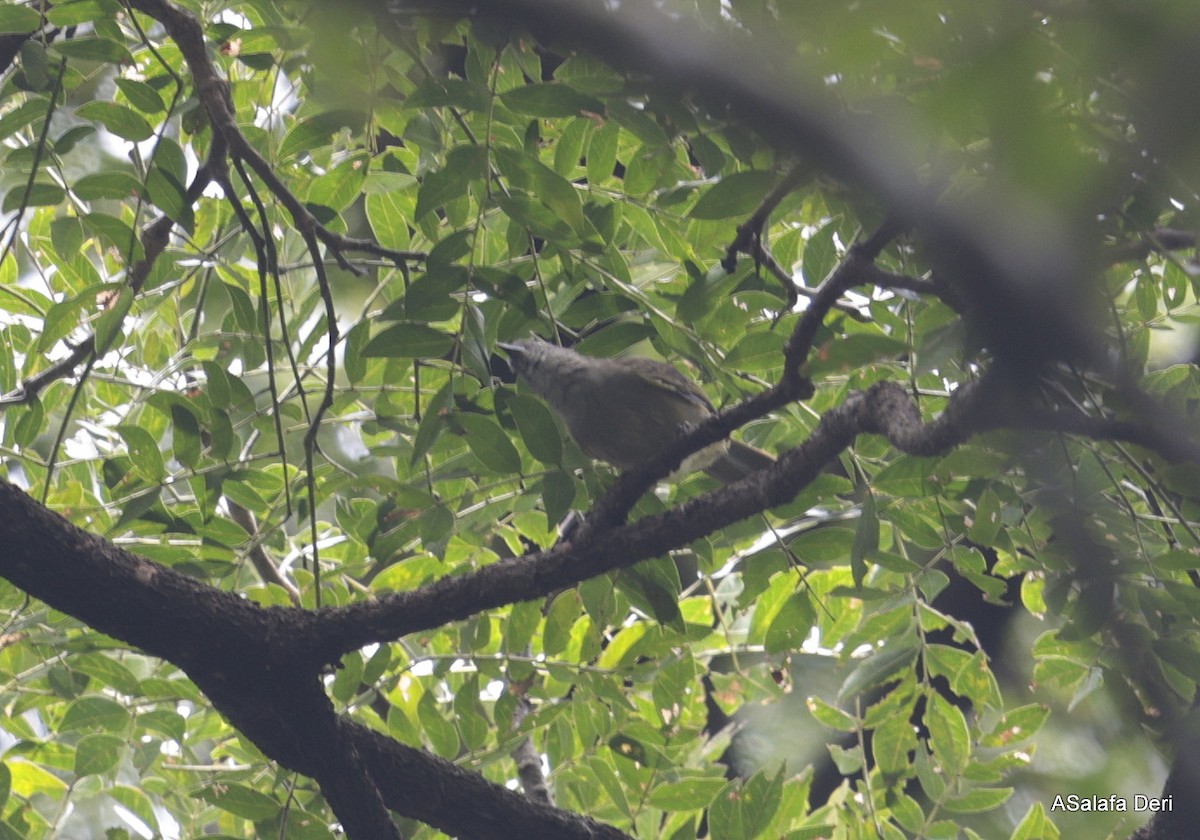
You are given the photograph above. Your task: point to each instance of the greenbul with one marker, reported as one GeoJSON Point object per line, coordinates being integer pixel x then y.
{"type": "Point", "coordinates": [624, 411]}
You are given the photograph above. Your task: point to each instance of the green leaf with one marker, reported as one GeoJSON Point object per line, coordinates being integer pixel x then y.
{"type": "Point", "coordinates": [757, 352]}
{"type": "Point", "coordinates": [819, 257]}
{"type": "Point", "coordinates": [35, 62]}
{"type": "Point", "coordinates": [442, 734]}
{"type": "Point", "coordinates": [734, 196]}
{"type": "Point", "coordinates": [338, 188]}
{"type": "Point", "coordinates": [932, 780]}
{"type": "Point", "coordinates": [891, 744]}
{"type": "Point", "coordinates": [908, 477]}
{"type": "Point", "coordinates": [1180, 655]}
{"type": "Point", "coordinates": [489, 443]}
{"type": "Point", "coordinates": [97, 754]}
{"type": "Point", "coordinates": [647, 168]}
{"type": "Point", "coordinates": [550, 188]}
{"type": "Point", "coordinates": [866, 539]}
{"type": "Point", "coordinates": [464, 164]}
{"type": "Point", "coordinates": [121, 120]}
{"type": "Point", "coordinates": [877, 668]}
{"type": "Point", "coordinates": [852, 352]}
{"type": "Point", "coordinates": [19, 19]}
{"type": "Point", "coordinates": [1017, 725]}
{"type": "Point", "coordinates": [166, 722]}
{"type": "Point", "coordinates": [978, 801]}
{"type": "Point", "coordinates": [29, 779]}
{"type": "Point", "coordinates": [82, 11]}
{"type": "Point", "coordinates": [70, 138]}
{"type": "Point", "coordinates": [37, 194]}
{"type": "Point", "coordinates": [185, 437]}
{"type": "Point", "coordinates": [107, 185]}
{"type": "Point", "coordinates": [92, 712]}
{"type": "Point", "coordinates": [137, 802]}
{"type": "Point", "coordinates": [558, 494]}
{"type": "Point", "coordinates": [742, 811]}
{"type": "Point", "coordinates": [410, 340]}
{"type": "Point", "coordinates": [243, 308]}
{"type": "Point", "coordinates": [653, 592]}
{"type": "Point", "coordinates": [550, 99]}
{"type": "Point", "coordinates": [111, 321]}
{"type": "Point", "coordinates": [109, 671]}
{"type": "Point", "coordinates": [538, 219]}
{"type": "Point", "coordinates": [458, 93]}
{"type": "Point", "coordinates": [354, 361]}
{"type": "Point", "coordinates": [389, 215]}
{"type": "Point", "coordinates": [31, 422]}
{"type": "Point", "coordinates": [620, 649]}
{"type": "Point", "coordinates": [5, 785]}
{"type": "Point", "coordinates": [948, 734]}
{"type": "Point", "coordinates": [63, 316]}
{"type": "Point", "coordinates": [240, 800]}
{"type": "Point", "coordinates": [141, 96]}
{"type": "Point", "coordinates": [470, 716]}
{"type": "Point", "coordinates": [431, 296]}
{"type": "Point", "coordinates": [218, 387]}
{"type": "Point", "coordinates": [831, 716]}
{"type": "Point", "coordinates": [1145, 292]}
{"type": "Point", "coordinates": [602, 153]}
{"type": "Point", "coordinates": [792, 624]}
{"type": "Point", "coordinates": [537, 427]}
{"type": "Point", "coordinates": [170, 158]}
{"type": "Point", "coordinates": [769, 604]}
{"type": "Point", "coordinates": [909, 813]}
{"type": "Point", "coordinates": [523, 619]}
{"type": "Point", "coordinates": [823, 547]}
{"type": "Point", "coordinates": [986, 522]}
{"type": "Point", "coordinates": [560, 619]}
{"type": "Point", "coordinates": [23, 115]}
{"type": "Point", "coordinates": [686, 795]}
{"type": "Point", "coordinates": [169, 194]}
{"type": "Point", "coordinates": [100, 50]}
{"type": "Point", "coordinates": [569, 149]}
{"type": "Point", "coordinates": [316, 131]}
{"type": "Point", "coordinates": [433, 423]}
{"type": "Point", "coordinates": [1035, 825]}
{"type": "Point", "coordinates": [116, 233]}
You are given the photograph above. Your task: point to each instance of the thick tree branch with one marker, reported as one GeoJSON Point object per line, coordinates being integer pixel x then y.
{"type": "Point", "coordinates": [1181, 786]}
{"type": "Point", "coordinates": [259, 669]}
{"type": "Point", "coordinates": [260, 666]}
{"type": "Point", "coordinates": [857, 269]}
{"type": "Point", "coordinates": [462, 803]}
{"type": "Point", "coordinates": [884, 409]}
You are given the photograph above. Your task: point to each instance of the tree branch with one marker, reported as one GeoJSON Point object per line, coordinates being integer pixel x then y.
{"type": "Point", "coordinates": [595, 550]}
{"type": "Point", "coordinates": [258, 667]}
{"type": "Point", "coordinates": [885, 408]}
{"type": "Point", "coordinates": [186, 31]}
{"type": "Point", "coordinates": [750, 231]}
{"type": "Point", "coordinates": [1158, 240]}
{"type": "Point", "coordinates": [154, 239]}
{"type": "Point", "coordinates": [1021, 269]}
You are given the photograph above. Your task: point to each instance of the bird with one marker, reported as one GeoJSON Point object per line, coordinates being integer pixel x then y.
{"type": "Point", "coordinates": [624, 411]}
